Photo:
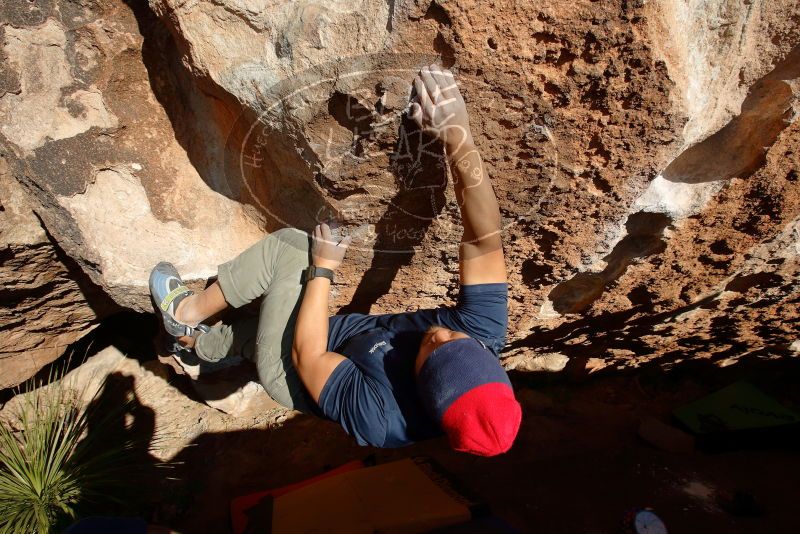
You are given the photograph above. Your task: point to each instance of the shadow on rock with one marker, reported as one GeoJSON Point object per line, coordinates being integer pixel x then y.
{"type": "Point", "coordinates": [644, 238]}
{"type": "Point", "coordinates": [121, 434]}
{"type": "Point", "coordinates": [421, 177]}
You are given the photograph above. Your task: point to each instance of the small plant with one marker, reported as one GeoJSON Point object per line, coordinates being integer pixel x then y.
{"type": "Point", "coordinates": [64, 461]}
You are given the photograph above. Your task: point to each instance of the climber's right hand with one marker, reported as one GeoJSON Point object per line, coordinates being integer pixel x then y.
{"type": "Point", "coordinates": [327, 251]}
{"type": "Point", "coordinates": [438, 107]}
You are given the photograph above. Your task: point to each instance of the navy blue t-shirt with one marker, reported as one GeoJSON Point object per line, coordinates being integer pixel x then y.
{"type": "Point", "coordinates": [373, 394]}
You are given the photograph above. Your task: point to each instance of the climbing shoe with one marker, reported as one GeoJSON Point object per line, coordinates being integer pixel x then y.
{"type": "Point", "coordinates": [168, 291]}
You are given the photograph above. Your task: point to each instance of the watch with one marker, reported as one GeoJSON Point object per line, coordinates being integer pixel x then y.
{"type": "Point", "coordinates": [314, 271]}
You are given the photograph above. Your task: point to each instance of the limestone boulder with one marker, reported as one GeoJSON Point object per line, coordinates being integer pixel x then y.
{"type": "Point", "coordinates": [644, 155]}
{"type": "Point", "coordinates": [45, 296]}
{"type": "Point", "coordinates": [172, 419]}
{"type": "Point", "coordinates": [638, 150]}
{"type": "Point", "coordinates": [83, 117]}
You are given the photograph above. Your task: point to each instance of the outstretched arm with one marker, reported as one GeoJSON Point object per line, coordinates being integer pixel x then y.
{"type": "Point", "coordinates": [310, 353]}
{"type": "Point", "coordinates": [438, 108]}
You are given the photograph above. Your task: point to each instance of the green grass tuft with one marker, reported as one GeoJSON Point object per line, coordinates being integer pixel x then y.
{"type": "Point", "coordinates": [66, 461]}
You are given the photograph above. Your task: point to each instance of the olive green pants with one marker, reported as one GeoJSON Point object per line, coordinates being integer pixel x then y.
{"type": "Point", "coordinates": [272, 269]}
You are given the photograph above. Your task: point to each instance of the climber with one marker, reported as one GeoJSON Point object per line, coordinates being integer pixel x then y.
{"type": "Point", "coordinates": [389, 379]}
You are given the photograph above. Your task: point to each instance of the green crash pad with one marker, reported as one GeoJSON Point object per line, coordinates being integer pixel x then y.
{"type": "Point", "coordinates": [740, 406]}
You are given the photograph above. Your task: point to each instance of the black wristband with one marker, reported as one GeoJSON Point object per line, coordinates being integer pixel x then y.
{"type": "Point", "coordinates": [314, 271]}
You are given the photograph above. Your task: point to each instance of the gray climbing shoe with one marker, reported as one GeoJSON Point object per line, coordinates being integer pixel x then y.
{"type": "Point", "coordinates": [168, 291]}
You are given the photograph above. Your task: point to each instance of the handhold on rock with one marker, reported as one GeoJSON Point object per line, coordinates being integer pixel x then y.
{"type": "Point", "coordinates": [532, 362]}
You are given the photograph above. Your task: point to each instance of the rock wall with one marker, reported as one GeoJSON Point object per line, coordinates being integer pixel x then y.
{"type": "Point", "coordinates": [644, 154]}
{"type": "Point", "coordinates": [82, 115]}
{"type": "Point", "coordinates": [45, 300]}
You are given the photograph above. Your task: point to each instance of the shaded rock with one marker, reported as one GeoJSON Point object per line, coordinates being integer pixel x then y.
{"type": "Point", "coordinates": [230, 386]}
{"type": "Point", "coordinates": [664, 436]}
{"type": "Point", "coordinates": [534, 400]}
{"type": "Point", "coordinates": [46, 305]}
{"type": "Point", "coordinates": [177, 419]}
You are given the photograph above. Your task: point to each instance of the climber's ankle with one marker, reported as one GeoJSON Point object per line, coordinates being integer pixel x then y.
{"type": "Point", "coordinates": [183, 313]}
{"type": "Point", "coordinates": [187, 341]}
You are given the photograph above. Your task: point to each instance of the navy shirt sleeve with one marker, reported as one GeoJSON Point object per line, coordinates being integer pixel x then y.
{"type": "Point", "coordinates": [355, 400]}
{"type": "Point", "coordinates": [481, 312]}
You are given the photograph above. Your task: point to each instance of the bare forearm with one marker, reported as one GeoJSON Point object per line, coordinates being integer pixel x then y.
{"type": "Point", "coordinates": [480, 213]}
{"type": "Point", "coordinates": [439, 108]}
{"type": "Point", "coordinates": [311, 329]}
{"type": "Point", "coordinates": [310, 356]}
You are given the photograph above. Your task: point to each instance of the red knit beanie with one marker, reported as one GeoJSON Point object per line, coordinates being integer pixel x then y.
{"type": "Point", "coordinates": [466, 390]}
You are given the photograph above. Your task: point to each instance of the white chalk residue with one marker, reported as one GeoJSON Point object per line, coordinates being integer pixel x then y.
{"type": "Point", "coordinates": [676, 199]}
{"type": "Point", "coordinates": [39, 54]}
{"type": "Point", "coordinates": [700, 42]}
{"type": "Point", "coordinates": [118, 225]}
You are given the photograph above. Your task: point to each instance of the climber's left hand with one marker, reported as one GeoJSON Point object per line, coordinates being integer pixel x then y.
{"type": "Point", "coordinates": [326, 250]}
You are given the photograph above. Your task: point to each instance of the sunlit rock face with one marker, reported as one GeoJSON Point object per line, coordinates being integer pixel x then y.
{"type": "Point", "coordinates": [644, 155]}
{"type": "Point", "coordinates": [83, 113]}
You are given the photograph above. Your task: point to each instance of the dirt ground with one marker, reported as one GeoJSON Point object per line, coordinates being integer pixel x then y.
{"type": "Point", "coordinates": [577, 466]}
